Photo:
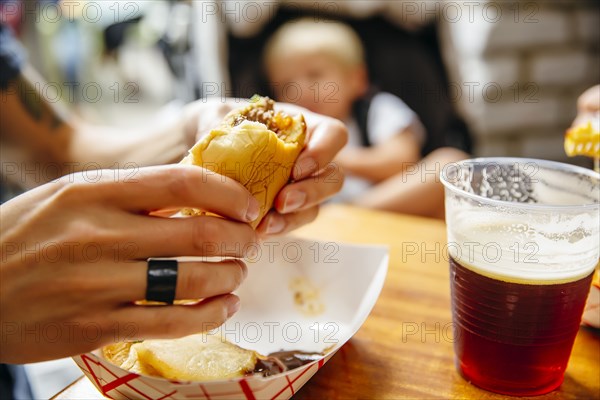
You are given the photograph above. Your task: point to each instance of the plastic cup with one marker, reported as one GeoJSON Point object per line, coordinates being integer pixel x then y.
{"type": "Point", "coordinates": [523, 240]}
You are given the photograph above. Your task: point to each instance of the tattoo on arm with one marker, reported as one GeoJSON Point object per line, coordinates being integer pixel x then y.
{"type": "Point", "coordinates": [30, 98]}
{"type": "Point", "coordinates": [37, 106]}
{"type": "Point", "coordinates": [34, 124]}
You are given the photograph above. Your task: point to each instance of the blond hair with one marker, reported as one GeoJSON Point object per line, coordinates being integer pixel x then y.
{"type": "Point", "coordinates": [308, 37]}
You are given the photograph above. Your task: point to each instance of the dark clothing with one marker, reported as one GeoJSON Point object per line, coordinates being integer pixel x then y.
{"type": "Point", "coordinates": [360, 112]}
{"type": "Point", "coordinates": [456, 135]}
{"type": "Point", "coordinates": [13, 383]}
{"type": "Point", "coordinates": [12, 57]}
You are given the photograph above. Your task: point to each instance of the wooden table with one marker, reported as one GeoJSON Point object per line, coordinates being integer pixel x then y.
{"type": "Point", "coordinates": [404, 349]}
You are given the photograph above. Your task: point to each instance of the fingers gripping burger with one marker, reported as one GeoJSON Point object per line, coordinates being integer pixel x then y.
{"type": "Point", "coordinates": [254, 145]}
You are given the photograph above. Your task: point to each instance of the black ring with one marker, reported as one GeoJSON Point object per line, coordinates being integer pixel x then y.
{"type": "Point", "coordinates": [161, 280]}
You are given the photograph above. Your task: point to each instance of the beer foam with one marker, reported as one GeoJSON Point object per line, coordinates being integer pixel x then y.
{"type": "Point", "coordinates": [525, 249]}
{"type": "Point", "coordinates": [523, 220]}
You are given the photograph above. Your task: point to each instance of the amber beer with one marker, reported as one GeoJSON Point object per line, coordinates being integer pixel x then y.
{"type": "Point", "coordinates": [513, 337]}
{"type": "Point", "coordinates": [517, 308]}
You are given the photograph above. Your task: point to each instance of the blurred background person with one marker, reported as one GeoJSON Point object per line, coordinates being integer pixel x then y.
{"type": "Point", "coordinates": [323, 62]}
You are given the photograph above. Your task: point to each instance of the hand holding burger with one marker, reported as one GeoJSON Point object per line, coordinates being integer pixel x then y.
{"type": "Point", "coordinates": [75, 250]}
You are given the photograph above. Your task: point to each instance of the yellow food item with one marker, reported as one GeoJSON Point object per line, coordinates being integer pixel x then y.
{"type": "Point", "coordinates": [254, 145]}
{"type": "Point", "coordinates": [583, 140]}
{"type": "Point", "coordinates": [198, 357]}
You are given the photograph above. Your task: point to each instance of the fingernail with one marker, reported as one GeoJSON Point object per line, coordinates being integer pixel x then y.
{"type": "Point", "coordinates": [251, 252]}
{"type": "Point", "coordinates": [305, 167]}
{"type": "Point", "coordinates": [253, 209]}
{"type": "Point", "coordinates": [275, 224]}
{"type": "Point", "coordinates": [294, 199]}
{"type": "Point", "coordinates": [243, 267]}
{"type": "Point", "coordinates": [233, 305]}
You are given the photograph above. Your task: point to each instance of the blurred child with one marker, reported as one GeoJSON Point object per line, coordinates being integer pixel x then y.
{"type": "Point", "coordinates": [321, 66]}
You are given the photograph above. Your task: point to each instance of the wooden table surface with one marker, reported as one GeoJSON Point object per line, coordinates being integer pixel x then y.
{"type": "Point", "coordinates": [404, 349]}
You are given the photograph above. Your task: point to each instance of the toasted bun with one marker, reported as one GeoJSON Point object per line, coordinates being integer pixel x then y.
{"type": "Point", "coordinates": [254, 145]}
{"type": "Point", "coordinates": [197, 357]}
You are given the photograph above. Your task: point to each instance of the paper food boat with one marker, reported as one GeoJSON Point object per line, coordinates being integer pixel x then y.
{"type": "Point", "coordinates": [349, 279]}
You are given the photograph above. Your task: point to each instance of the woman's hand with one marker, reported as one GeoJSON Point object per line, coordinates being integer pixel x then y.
{"type": "Point", "coordinates": [315, 176]}
{"type": "Point", "coordinates": [74, 258]}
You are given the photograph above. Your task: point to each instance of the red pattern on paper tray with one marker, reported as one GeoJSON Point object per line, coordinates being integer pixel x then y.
{"type": "Point", "coordinates": [117, 383]}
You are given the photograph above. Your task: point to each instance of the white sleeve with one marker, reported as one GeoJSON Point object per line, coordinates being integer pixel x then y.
{"type": "Point", "coordinates": [388, 116]}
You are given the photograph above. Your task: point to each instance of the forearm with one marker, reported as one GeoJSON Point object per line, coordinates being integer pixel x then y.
{"type": "Point", "coordinates": [379, 162]}
{"type": "Point", "coordinates": [32, 123]}
{"type": "Point", "coordinates": [43, 141]}
{"type": "Point", "coordinates": [109, 147]}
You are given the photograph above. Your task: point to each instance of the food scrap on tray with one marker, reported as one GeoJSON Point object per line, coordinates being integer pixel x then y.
{"type": "Point", "coordinates": [200, 357]}
{"type": "Point", "coordinates": [307, 297]}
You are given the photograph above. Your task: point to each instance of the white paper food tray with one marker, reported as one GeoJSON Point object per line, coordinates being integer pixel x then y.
{"type": "Point", "coordinates": [349, 279]}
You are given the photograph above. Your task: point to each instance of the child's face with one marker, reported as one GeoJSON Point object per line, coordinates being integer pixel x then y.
{"type": "Point", "coordinates": [320, 83]}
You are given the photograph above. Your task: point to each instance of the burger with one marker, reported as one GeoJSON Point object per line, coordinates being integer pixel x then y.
{"type": "Point", "coordinates": [256, 146]}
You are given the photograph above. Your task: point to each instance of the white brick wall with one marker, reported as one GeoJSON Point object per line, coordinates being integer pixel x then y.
{"type": "Point", "coordinates": [493, 146]}
{"type": "Point", "coordinates": [529, 26]}
{"type": "Point", "coordinates": [588, 25]}
{"type": "Point", "coordinates": [503, 70]}
{"type": "Point", "coordinates": [542, 55]}
{"type": "Point", "coordinates": [511, 117]}
{"type": "Point", "coordinates": [549, 144]}
{"type": "Point", "coordinates": [564, 68]}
